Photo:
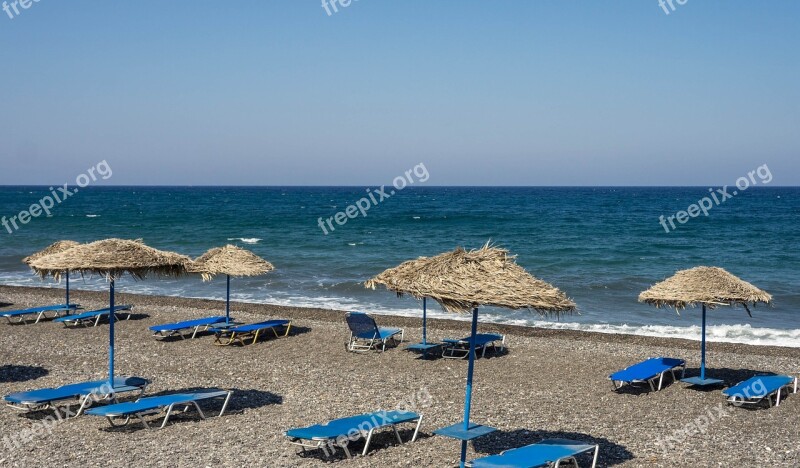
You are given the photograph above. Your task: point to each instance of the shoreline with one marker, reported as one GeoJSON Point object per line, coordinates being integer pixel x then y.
{"type": "Point", "coordinates": [337, 316]}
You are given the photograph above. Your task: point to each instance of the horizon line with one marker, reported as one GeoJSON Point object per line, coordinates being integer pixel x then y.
{"type": "Point", "coordinates": [379, 185]}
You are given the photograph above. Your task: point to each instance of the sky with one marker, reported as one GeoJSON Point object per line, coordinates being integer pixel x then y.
{"type": "Point", "coordinates": [254, 92]}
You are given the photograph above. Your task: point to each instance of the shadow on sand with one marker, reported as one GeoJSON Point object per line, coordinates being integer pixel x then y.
{"type": "Point", "coordinates": [240, 401]}
{"type": "Point", "coordinates": [610, 453]}
{"type": "Point", "coordinates": [11, 373]}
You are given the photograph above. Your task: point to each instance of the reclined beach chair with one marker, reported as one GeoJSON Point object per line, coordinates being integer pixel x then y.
{"type": "Point", "coordinates": [459, 349]}
{"type": "Point", "coordinates": [156, 404]}
{"type": "Point", "coordinates": [83, 394]}
{"type": "Point", "coordinates": [648, 371]}
{"type": "Point", "coordinates": [339, 432]}
{"type": "Point", "coordinates": [761, 387]}
{"type": "Point", "coordinates": [40, 312]}
{"type": "Point", "coordinates": [225, 336]}
{"type": "Point", "coordinates": [93, 316]}
{"type": "Point", "coordinates": [365, 334]}
{"type": "Point", "coordinates": [172, 329]}
{"type": "Point", "coordinates": [547, 453]}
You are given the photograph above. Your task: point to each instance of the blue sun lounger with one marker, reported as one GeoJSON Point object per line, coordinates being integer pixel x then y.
{"type": "Point", "coordinates": [83, 394]}
{"type": "Point", "coordinates": [761, 387]}
{"type": "Point", "coordinates": [547, 453]}
{"type": "Point", "coordinates": [365, 334]}
{"type": "Point", "coordinates": [459, 349]}
{"type": "Point", "coordinates": [86, 318]}
{"type": "Point", "coordinates": [171, 329]}
{"type": "Point", "coordinates": [40, 312]}
{"type": "Point", "coordinates": [648, 371]}
{"type": "Point", "coordinates": [156, 404]}
{"type": "Point", "coordinates": [340, 432]}
{"type": "Point", "coordinates": [251, 330]}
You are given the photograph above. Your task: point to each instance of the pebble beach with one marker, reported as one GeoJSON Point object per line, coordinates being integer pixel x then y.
{"type": "Point", "coordinates": [548, 384]}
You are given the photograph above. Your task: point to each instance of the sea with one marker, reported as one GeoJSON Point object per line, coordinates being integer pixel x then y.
{"type": "Point", "coordinates": [600, 245]}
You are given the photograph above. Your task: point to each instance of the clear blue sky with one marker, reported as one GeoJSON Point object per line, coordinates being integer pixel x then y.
{"type": "Point", "coordinates": [256, 92]}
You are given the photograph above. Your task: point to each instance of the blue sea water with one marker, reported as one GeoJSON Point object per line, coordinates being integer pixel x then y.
{"type": "Point", "coordinates": [602, 246]}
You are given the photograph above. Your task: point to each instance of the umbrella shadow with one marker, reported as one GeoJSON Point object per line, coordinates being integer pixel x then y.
{"type": "Point", "coordinates": [135, 317]}
{"type": "Point", "coordinates": [611, 453]}
{"type": "Point", "coordinates": [10, 373]}
{"type": "Point", "coordinates": [729, 376]}
{"type": "Point", "coordinates": [240, 401]}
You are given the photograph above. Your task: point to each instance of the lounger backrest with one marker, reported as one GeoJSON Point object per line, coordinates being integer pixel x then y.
{"type": "Point", "coordinates": [362, 325]}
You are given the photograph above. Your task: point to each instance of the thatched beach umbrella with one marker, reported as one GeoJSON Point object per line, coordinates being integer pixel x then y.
{"type": "Point", "coordinates": [229, 261]}
{"type": "Point", "coordinates": [57, 247]}
{"type": "Point", "coordinates": [462, 281]}
{"type": "Point", "coordinates": [112, 258]}
{"type": "Point", "coordinates": [709, 287]}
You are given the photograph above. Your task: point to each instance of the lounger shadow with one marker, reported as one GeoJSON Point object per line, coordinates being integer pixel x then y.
{"type": "Point", "coordinates": [11, 373]}
{"type": "Point", "coordinates": [611, 453]}
{"type": "Point", "coordinates": [727, 375]}
{"type": "Point", "coordinates": [380, 441]}
{"type": "Point", "coordinates": [249, 333]}
{"type": "Point", "coordinates": [239, 401]}
{"type": "Point", "coordinates": [354, 435]}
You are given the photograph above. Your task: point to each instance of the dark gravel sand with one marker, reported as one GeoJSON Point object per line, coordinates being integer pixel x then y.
{"type": "Point", "coordinates": [549, 384]}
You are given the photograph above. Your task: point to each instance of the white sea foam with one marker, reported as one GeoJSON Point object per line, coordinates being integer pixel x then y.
{"type": "Point", "coordinates": [92, 216]}
{"type": "Point", "coordinates": [738, 333]}
{"type": "Point", "coordinates": [246, 240]}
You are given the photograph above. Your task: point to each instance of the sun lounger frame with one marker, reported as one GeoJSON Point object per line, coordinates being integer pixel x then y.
{"type": "Point", "coordinates": [319, 443]}
{"type": "Point", "coordinates": [459, 349]}
{"type": "Point", "coordinates": [96, 317]}
{"type": "Point", "coordinates": [572, 459]}
{"type": "Point", "coordinates": [233, 335]}
{"type": "Point", "coordinates": [170, 409]}
{"type": "Point", "coordinates": [41, 312]}
{"type": "Point", "coordinates": [617, 384]}
{"type": "Point", "coordinates": [84, 401]}
{"type": "Point", "coordinates": [754, 400]}
{"type": "Point", "coordinates": [165, 333]}
{"type": "Point", "coordinates": [368, 342]}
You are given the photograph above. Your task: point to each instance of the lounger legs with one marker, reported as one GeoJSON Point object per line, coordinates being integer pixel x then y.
{"type": "Point", "coordinates": [416, 430]}
{"type": "Point", "coordinates": [596, 454]}
{"type": "Point", "coordinates": [366, 444]}
{"type": "Point", "coordinates": [225, 405]}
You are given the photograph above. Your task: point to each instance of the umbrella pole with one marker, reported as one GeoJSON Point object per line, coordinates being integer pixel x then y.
{"type": "Point", "coordinates": [67, 288]}
{"type": "Point", "coordinates": [703, 348]}
{"type": "Point", "coordinates": [228, 301]}
{"type": "Point", "coordinates": [470, 369]}
{"type": "Point", "coordinates": [424, 321]}
{"type": "Point", "coordinates": [111, 334]}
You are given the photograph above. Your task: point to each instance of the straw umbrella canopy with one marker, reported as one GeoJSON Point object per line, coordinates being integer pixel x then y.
{"type": "Point", "coordinates": [112, 258]}
{"type": "Point", "coordinates": [57, 247]}
{"type": "Point", "coordinates": [708, 287]}
{"type": "Point", "coordinates": [229, 261]}
{"type": "Point", "coordinates": [464, 280]}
